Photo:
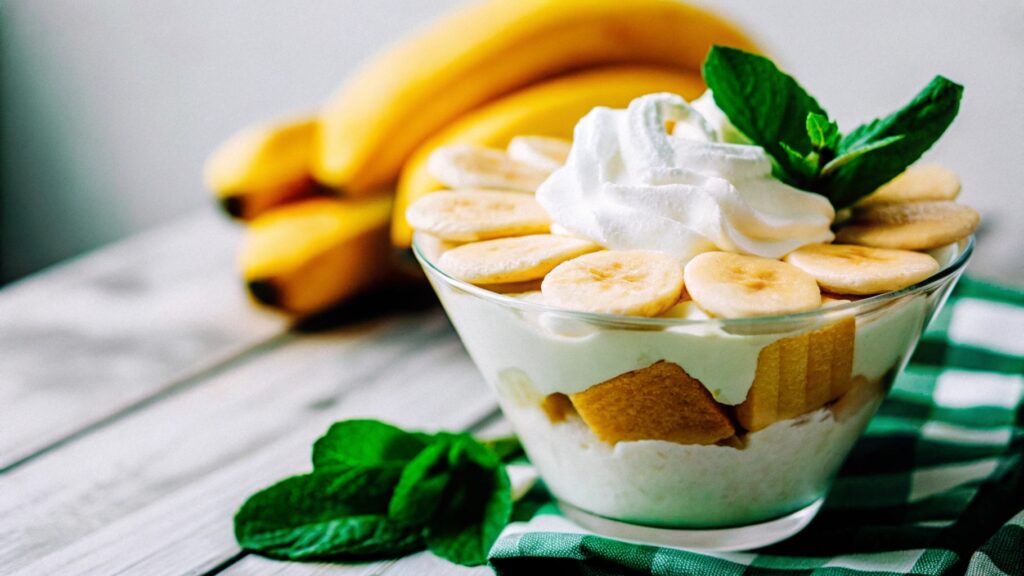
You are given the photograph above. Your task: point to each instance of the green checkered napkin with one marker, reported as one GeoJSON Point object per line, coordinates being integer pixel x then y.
{"type": "Point", "coordinates": [935, 486]}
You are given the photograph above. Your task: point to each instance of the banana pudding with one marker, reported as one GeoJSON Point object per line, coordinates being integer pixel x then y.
{"type": "Point", "coordinates": [680, 334]}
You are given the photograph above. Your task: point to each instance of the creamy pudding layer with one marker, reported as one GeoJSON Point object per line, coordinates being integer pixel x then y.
{"type": "Point", "coordinates": [782, 468]}
{"type": "Point", "coordinates": [562, 354]}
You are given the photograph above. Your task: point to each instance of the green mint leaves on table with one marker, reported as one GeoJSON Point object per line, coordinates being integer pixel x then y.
{"type": "Point", "coordinates": [379, 491]}
{"type": "Point", "coordinates": [807, 149]}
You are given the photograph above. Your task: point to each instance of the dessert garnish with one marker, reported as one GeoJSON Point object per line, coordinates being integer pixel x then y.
{"type": "Point", "coordinates": [751, 189]}
{"type": "Point", "coordinates": [379, 491]}
{"type": "Point", "coordinates": [771, 109]}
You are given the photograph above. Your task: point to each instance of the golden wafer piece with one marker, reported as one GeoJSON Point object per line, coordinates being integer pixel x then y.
{"type": "Point", "coordinates": [861, 270]}
{"type": "Point", "coordinates": [794, 366]}
{"type": "Point", "coordinates": [473, 215]}
{"type": "Point", "coordinates": [909, 226]}
{"type": "Point", "coordinates": [515, 259]}
{"type": "Point", "coordinates": [799, 374]}
{"type": "Point", "coordinates": [557, 407]}
{"type": "Point", "coordinates": [916, 184]}
{"type": "Point", "coordinates": [660, 402]}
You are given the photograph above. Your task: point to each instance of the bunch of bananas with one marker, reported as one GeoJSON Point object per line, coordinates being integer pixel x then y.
{"type": "Point", "coordinates": [324, 196]}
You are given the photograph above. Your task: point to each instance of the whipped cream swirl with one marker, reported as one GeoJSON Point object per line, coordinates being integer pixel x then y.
{"type": "Point", "coordinates": [630, 184]}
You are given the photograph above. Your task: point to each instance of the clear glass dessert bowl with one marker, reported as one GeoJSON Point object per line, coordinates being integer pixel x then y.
{"type": "Point", "coordinates": [703, 433]}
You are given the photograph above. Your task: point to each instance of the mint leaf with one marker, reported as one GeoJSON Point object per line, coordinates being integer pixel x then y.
{"type": "Point", "coordinates": [477, 505]}
{"type": "Point", "coordinates": [824, 133]}
{"type": "Point", "coordinates": [377, 490]}
{"type": "Point", "coordinates": [805, 167]}
{"type": "Point", "coordinates": [768, 106]}
{"type": "Point", "coordinates": [855, 153]}
{"type": "Point", "coordinates": [326, 515]}
{"type": "Point", "coordinates": [921, 123]}
{"type": "Point", "coordinates": [807, 150]}
{"type": "Point", "coordinates": [367, 443]}
{"type": "Point", "coordinates": [423, 481]}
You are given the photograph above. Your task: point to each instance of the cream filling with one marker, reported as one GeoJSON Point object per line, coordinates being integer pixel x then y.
{"type": "Point", "coordinates": [782, 468]}
{"type": "Point", "coordinates": [560, 353]}
{"type": "Point", "coordinates": [629, 184]}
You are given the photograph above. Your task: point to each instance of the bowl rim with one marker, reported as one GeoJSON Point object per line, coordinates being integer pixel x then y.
{"type": "Point", "coordinates": [952, 269]}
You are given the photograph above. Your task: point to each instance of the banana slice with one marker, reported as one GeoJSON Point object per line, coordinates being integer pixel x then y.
{"type": "Point", "coordinates": [634, 282]}
{"type": "Point", "coordinates": [917, 184]}
{"type": "Point", "coordinates": [909, 226]}
{"type": "Point", "coordinates": [469, 166]}
{"type": "Point", "coordinates": [847, 269]}
{"type": "Point", "coordinates": [736, 286]}
{"type": "Point", "coordinates": [542, 152]}
{"type": "Point", "coordinates": [515, 259]}
{"type": "Point", "coordinates": [472, 215]}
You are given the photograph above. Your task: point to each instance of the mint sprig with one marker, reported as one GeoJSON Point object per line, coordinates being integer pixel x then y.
{"type": "Point", "coordinates": [379, 491]}
{"type": "Point", "coordinates": [320, 516]}
{"type": "Point", "coordinates": [768, 107]}
{"type": "Point", "coordinates": [771, 109]}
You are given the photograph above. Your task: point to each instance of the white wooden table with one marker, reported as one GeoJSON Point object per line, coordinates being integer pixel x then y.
{"type": "Point", "coordinates": [143, 398]}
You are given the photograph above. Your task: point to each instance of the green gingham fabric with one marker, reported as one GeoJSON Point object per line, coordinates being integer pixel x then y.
{"type": "Point", "coordinates": [934, 487]}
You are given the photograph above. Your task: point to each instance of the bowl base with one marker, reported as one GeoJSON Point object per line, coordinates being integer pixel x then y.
{"type": "Point", "coordinates": [709, 539]}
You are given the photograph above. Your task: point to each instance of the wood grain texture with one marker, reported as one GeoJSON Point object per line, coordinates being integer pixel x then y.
{"type": "Point", "coordinates": [92, 337]}
{"type": "Point", "coordinates": [154, 492]}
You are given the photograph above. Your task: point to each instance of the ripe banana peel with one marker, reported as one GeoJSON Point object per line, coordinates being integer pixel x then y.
{"type": "Point", "coordinates": [549, 108]}
{"type": "Point", "coordinates": [399, 99]}
{"type": "Point", "coordinates": [263, 166]}
{"type": "Point", "coordinates": [308, 255]}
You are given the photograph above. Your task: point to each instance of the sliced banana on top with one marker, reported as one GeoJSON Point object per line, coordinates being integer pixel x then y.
{"type": "Point", "coordinates": [848, 269]}
{"type": "Point", "coordinates": [731, 285]}
{"type": "Point", "coordinates": [629, 282]}
{"type": "Point", "coordinates": [469, 166]}
{"type": "Point", "coordinates": [542, 152]}
{"type": "Point", "coordinates": [917, 184]}
{"type": "Point", "coordinates": [909, 226]}
{"type": "Point", "coordinates": [515, 259]}
{"type": "Point", "coordinates": [472, 215]}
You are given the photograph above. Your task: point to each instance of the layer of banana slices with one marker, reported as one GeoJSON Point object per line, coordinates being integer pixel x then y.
{"type": "Point", "coordinates": [499, 235]}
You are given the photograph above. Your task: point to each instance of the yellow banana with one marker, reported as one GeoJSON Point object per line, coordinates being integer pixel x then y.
{"type": "Point", "coordinates": [549, 108]}
{"type": "Point", "coordinates": [399, 99]}
{"type": "Point", "coordinates": [305, 256]}
{"type": "Point", "coordinates": [262, 166]}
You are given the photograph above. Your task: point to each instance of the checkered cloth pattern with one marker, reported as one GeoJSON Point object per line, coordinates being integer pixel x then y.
{"type": "Point", "coordinates": [934, 487]}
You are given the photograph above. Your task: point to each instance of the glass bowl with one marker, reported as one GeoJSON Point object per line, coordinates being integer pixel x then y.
{"type": "Point", "coordinates": [607, 413]}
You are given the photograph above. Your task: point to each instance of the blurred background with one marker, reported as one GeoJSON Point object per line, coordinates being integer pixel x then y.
{"type": "Point", "coordinates": [109, 107]}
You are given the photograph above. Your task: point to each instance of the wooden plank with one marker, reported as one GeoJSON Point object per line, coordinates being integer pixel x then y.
{"type": "Point", "coordinates": [154, 492]}
{"type": "Point", "coordinates": [419, 564]}
{"type": "Point", "coordinates": [92, 337]}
